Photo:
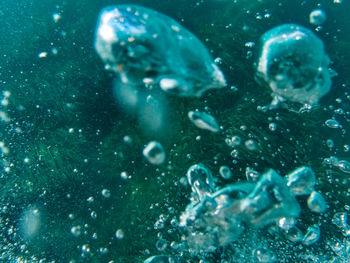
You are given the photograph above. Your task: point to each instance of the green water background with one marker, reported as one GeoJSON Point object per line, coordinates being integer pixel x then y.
{"type": "Point", "coordinates": [51, 95]}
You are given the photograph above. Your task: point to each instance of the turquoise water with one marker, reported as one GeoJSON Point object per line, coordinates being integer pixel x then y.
{"type": "Point", "coordinates": [75, 185]}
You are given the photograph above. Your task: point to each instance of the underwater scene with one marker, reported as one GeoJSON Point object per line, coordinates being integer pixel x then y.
{"type": "Point", "coordinates": [195, 131]}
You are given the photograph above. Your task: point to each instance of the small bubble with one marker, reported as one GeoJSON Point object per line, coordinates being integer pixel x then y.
{"type": "Point", "coordinates": [218, 60]}
{"type": "Point", "coordinates": [316, 202]}
{"type": "Point", "coordinates": [317, 17]}
{"type": "Point", "coordinates": [56, 17]}
{"type": "Point", "coordinates": [119, 234]}
{"type": "Point", "coordinates": [42, 55]}
{"type": "Point", "coordinates": [93, 215]}
{"type": "Point", "coordinates": [225, 172]}
{"type": "Point", "coordinates": [127, 139]}
{"type": "Point", "coordinates": [85, 249]}
{"type": "Point", "coordinates": [154, 153]}
{"type": "Point", "coordinates": [249, 44]}
{"type": "Point", "coordinates": [103, 250]}
{"type": "Point", "coordinates": [312, 235]}
{"type": "Point", "coordinates": [331, 123]}
{"type": "Point", "coordinates": [250, 145]}
{"type": "Point", "coordinates": [124, 175]}
{"type": "Point", "coordinates": [330, 143]}
{"type": "Point", "coordinates": [272, 126]}
{"type": "Point", "coordinates": [76, 230]}
{"type": "Point", "coordinates": [106, 193]}
{"type": "Point", "coordinates": [54, 51]}
{"type": "Point", "coordinates": [161, 244]}
{"type": "Point", "coordinates": [286, 223]}
{"type": "Point", "coordinates": [235, 140]}
{"type": "Point", "coordinates": [203, 120]}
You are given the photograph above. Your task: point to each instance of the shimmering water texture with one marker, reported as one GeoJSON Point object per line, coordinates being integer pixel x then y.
{"type": "Point", "coordinates": [146, 48]}
{"type": "Point", "coordinates": [293, 63]}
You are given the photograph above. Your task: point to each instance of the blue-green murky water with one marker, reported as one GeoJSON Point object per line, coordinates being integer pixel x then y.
{"type": "Point", "coordinates": [77, 184]}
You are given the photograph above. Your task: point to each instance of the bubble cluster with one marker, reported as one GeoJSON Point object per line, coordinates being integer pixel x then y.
{"type": "Point", "coordinates": [215, 218]}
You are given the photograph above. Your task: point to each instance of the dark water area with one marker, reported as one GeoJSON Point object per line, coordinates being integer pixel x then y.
{"type": "Point", "coordinates": [74, 183]}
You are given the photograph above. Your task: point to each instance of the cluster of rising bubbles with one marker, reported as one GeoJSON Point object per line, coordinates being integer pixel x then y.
{"type": "Point", "coordinates": [144, 47]}
{"type": "Point", "coordinates": [216, 217]}
{"type": "Point", "coordinates": [293, 63]}
{"type": "Point", "coordinates": [151, 54]}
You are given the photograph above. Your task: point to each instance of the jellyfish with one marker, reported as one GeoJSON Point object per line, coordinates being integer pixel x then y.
{"type": "Point", "coordinates": [293, 63]}
{"type": "Point", "coordinates": [148, 49]}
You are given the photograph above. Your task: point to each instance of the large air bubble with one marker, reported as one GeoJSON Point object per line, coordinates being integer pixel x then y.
{"type": "Point", "coordinates": [146, 48]}
{"type": "Point", "coordinates": [293, 63]}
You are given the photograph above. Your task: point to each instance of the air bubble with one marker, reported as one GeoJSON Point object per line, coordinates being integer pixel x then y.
{"type": "Point", "coordinates": [332, 124]}
{"type": "Point", "coordinates": [106, 193]}
{"type": "Point", "coordinates": [317, 17]}
{"type": "Point", "coordinates": [154, 153]}
{"type": "Point", "coordinates": [293, 63]}
{"type": "Point", "coordinates": [225, 172]}
{"type": "Point", "coordinates": [316, 202]}
{"type": "Point", "coordinates": [312, 235]}
{"type": "Point", "coordinates": [137, 42]}
{"type": "Point", "coordinates": [119, 234]}
{"type": "Point", "coordinates": [301, 181]}
{"type": "Point", "coordinates": [203, 121]}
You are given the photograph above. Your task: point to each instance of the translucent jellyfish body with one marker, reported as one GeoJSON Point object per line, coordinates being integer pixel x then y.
{"type": "Point", "coordinates": [293, 63]}
{"type": "Point", "coordinates": [144, 47]}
